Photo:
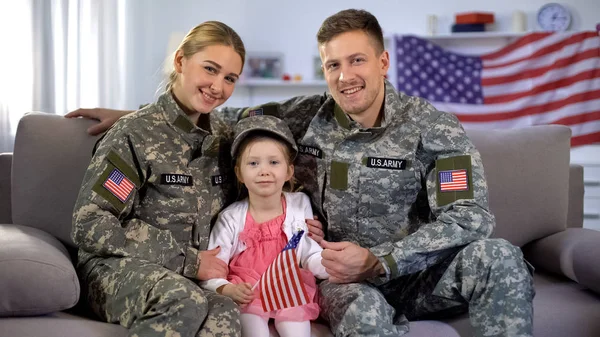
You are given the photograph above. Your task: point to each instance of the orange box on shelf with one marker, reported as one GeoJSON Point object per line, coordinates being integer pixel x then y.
{"type": "Point", "coordinates": [474, 17]}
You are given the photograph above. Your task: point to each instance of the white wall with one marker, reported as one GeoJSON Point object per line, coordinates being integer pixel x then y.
{"type": "Point", "coordinates": [290, 27]}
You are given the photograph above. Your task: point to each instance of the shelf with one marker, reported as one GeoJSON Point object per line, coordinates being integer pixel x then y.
{"type": "Point", "coordinates": [473, 35]}
{"type": "Point", "coordinates": [281, 83]}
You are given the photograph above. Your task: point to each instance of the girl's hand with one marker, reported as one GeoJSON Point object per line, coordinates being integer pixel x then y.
{"type": "Point", "coordinates": [315, 229]}
{"type": "Point", "coordinates": [211, 266]}
{"type": "Point", "coordinates": [241, 293]}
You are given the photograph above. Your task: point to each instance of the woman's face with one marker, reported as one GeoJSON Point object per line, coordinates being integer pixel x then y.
{"type": "Point", "coordinates": [207, 78]}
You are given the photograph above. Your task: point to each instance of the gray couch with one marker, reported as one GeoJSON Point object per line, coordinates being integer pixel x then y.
{"type": "Point", "coordinates": [534, 192]}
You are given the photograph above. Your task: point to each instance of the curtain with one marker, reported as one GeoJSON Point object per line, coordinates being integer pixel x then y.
{"type": "Point", "coordinates": [16, 73]}
{"type": "Point", "coordinates": [64, 54]}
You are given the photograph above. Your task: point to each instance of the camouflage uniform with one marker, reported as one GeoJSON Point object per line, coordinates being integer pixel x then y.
{"type": "Point", "coordinates": [139, 246]}
{"type": "Point", "coordinates": [378, 187]}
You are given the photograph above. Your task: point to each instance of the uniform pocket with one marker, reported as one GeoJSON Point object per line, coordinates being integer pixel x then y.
{"type": "Point", "coordinates": [385, 192]}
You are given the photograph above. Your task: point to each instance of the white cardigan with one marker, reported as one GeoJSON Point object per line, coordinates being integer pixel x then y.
{"type": "Point", "coordinates": [231, 222]}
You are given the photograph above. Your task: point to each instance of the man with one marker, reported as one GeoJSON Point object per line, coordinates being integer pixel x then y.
{"type": "Point", "coordinates": [404, 196]}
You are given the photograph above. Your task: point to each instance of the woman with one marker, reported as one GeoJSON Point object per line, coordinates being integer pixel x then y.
{"type": "Point", "coordinates": [157, 180]}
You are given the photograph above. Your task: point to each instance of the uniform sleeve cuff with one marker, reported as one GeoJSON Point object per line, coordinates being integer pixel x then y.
{"type": "Point", "coordinates": [192, 263]}
{"type": "Point", "coordinates": [384, 278]}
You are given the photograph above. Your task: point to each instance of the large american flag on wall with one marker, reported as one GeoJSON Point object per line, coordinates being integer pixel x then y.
{"type": "Point", "coordinates": [541, 78]}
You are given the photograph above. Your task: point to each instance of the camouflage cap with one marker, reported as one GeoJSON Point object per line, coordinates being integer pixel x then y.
{"type": "Point", "coordinates": [264, 123]}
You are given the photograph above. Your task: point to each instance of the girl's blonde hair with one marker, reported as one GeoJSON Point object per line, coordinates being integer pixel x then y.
{"type": "Point", "coordinates": [254, 137]}
{"type": "Point", "coordinates": [207, 34]}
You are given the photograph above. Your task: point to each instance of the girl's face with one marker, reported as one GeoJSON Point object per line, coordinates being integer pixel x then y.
{"type": "Point", "coordinates": [263, 167]}
{"type": "Point", "coordinates": [207, 78]}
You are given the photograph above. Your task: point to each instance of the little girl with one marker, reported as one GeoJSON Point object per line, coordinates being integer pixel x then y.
{"type": "Point", "coordinates": [252, 232]}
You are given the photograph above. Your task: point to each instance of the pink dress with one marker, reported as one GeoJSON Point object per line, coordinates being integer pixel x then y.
{"type": "Point", "coordinates": [263, 242]}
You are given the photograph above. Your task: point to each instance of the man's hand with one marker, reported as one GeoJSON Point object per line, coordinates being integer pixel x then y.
{"type": "Point", "coordinates": [211, 266]}
{"type": "Point", "coordinates": [347, 262]}
{"type": "Point", "coordinates": [107, 118]}
{"type": "Point", "coordinates": [315, 229]}
{"type": "Point", "coordinates": [241, 293]}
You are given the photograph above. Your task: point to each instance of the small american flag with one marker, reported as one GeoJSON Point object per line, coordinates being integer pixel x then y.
{"type": "Point", "coordinates": [453, 180]}
{"type": "Point", "coordinates": [118, 185]}
{"type": "Point", "coordinates": [281, 285]}
{"type": "Point", "coordinates": [541, 78]}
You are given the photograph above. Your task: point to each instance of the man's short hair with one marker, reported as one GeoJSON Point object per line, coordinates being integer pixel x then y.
{"type": "Point", "coordinates": [349, 20]}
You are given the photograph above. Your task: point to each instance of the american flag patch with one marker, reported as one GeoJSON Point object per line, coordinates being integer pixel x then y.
{"type": "Point", "coordinates": [453, 180]}
{"type": "Point", "coordinates": [118, 185]}
{"type": "Point", "coordinates": [255, 112]}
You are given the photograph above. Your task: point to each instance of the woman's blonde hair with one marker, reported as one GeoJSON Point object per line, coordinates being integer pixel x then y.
{"type": "Point", "coordinates": [206, 34]}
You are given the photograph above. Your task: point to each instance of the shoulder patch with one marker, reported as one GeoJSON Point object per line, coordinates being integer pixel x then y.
{"type": "Point", "coordinates": [453, 179]}
{"type": "Point", "coordinates": [255, 112]}
{"type": "Point", "coordinates": [118, 184]}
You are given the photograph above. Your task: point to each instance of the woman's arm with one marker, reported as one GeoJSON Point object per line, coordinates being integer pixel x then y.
{"type": "Point", "coordinates": [222, 236]}
{"type": "Point", "coordinates": [103, 217]}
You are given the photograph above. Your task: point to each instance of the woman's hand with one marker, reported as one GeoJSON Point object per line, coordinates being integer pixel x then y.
{"type": "Point", "coordinates": [315, 229]}
{"type": "Point", "coordinates": [211, 266]}
{"type": "Point", "coordinates": [241, 293]}
{"type": "Point", "coordinates": [107, 118]}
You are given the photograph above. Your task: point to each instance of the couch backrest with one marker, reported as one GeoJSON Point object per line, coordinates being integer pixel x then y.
{"type": "Point", "coordinates": [5, 169]}
{"type": "Point", "coordinates": [527, 171]}
{"type": "Point", "coordinates": [50, 158]}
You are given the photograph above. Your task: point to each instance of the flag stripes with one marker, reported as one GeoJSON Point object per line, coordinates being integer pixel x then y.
{"type": "Point", "coordinates": [542, 78]}
{"type": "Point", "coordinates": [281, 285]}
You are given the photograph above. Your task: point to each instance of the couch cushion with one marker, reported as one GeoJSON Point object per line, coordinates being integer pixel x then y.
{"type": "Point", "coordinates": [37, 274]}
{"type": "Point", "coordinates": [561, 308]}
{"type": "Point", "coordinates": [59, 324]}
{"type": "Point", "coordinates": [527, 172]}
{"type": "Point", "coordinates": [574, 253]}
{"type": "Point", "coordinates": [50, 158]}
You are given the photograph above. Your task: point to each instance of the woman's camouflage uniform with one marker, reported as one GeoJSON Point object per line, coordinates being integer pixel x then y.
{"type": "Point", "coordinates": [139, 245]}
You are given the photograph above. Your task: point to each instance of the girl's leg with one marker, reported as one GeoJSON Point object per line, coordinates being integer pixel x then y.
{"type": "Point", "coordinates": [293, 329]}
{"type": "Point", "coordinates": [254, 326]}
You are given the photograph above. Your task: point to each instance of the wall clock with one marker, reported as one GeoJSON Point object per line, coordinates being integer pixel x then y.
{"type": "Point", "coordinates": [554, 17]}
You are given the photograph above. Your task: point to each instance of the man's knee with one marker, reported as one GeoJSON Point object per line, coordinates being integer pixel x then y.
{"type": "Point", "coordinates": [495, 257]}
{"type": "Point", "coordinates": [223, 308]}
{"type": "Point", "coordinates": [174, 293]}
{"type": "Point", "coordinates": [354, 299]}
{"type": "Point", "coordinates": [223, 318]}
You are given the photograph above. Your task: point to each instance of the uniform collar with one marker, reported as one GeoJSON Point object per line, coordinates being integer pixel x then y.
{"type": "Point", "coordinates": [176, 116]}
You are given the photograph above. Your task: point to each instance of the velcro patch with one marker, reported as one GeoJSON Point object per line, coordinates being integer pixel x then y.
{"type": "Point", "coordinates": [309, 150]}
{"type": "Point", "coordinates": [454, 180]}
{"type": "Point", "coordinates": [118, 184]}
{"type": "Point", "coordinates": [386, 163]}
{"type": "Point", "coordinates": [176, 179]}
{"type": "Point", "coordinates": [339, 175]}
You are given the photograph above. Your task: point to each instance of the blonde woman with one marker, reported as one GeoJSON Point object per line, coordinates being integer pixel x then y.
{"type": "Point", "coordinates": [156, 181]}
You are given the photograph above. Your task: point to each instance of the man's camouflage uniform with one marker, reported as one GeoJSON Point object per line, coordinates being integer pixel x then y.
{"type": "Point", "coordinates": [379, 188]}
{"type": "Point", "coordinates": [139, 245]}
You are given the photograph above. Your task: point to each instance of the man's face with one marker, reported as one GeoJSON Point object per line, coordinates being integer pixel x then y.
{"type": "Point", "coordinates": [354, 73]}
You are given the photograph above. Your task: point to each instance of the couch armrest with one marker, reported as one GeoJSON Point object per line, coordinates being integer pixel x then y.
{"type": "Point", "coordinates": [574, 253]}
{"type": "Point", "coordinates": [36, 274]}
{"type": "Point", "coordinates": [575, 214]}
{"type": "Point", "coordinates": [5, 195]}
